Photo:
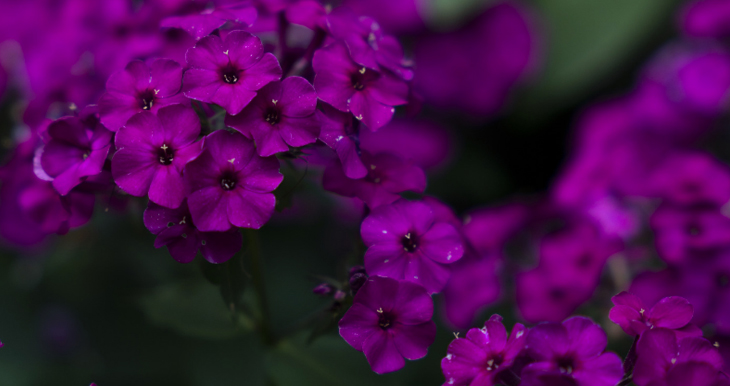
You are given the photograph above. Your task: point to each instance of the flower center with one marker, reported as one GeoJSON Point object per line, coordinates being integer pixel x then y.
{"type": "Point", "coordinates": [385, 319]}
{"type": "Point", "coordinates": [410, 242]}
{"type": "Point", "coordinates": [494, 362]}
{"type": "Point", "coordinates": [165, 154]}
{"type": "Point", "coordinates": [723, 279]}
{"type": "Point", "coordinates": [693, 230]}
{"type": "Point", "coordinates": [228, 181]}
{"type": "Point", "coordinates": [566, 365]}
{"type": "Point", "coordinates": [146, 99]}
{"type": "Point", "coordinates": [230, 74]}
{"type": "Point", "coordinates": [358, 79]}
{"type": "Point", "coordinates": [273, 116]}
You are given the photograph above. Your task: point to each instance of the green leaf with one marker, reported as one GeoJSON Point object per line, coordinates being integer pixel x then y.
{"type": "Point", "coordinates": [193, 309]}
{"type": "Point", "coordinates": [447, 14]}
{"type": "Point", "coordinates": [588, 43]}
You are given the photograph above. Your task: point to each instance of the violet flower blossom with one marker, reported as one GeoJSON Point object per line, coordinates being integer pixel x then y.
{"type": "Point", "coordinates": [672, 312]}
{"type": "Point", "coordinates": [139, 88]}
{"type": "Point", "coordinates": [229, 185]}
{"type": "Point", "coordinates": [339, 133]}
{"type": "Point", "coordinates": [229, 72]}
{"type": "Point", "coordinates": [175, 229]}
{"type": "Point", "coordinates": [76, 149]}
{"type": "Point", "coordinates": [478, 358]}
{"type": "Point", "coordinates": [370, 95]}
{"type": "Point", "coordinates": [281, 115]}
{"type": "Point", "coordinates": [387, 175]}
{"type": "Point", "coordinates": [659, 351]}
{"type": "Point", "coordinates": [574, 350]}
{"type": "Point", "coordinates": [389, 320]}
{"type": "Point", "coordinates": [153, 150]}
{"type": "Point", "coordinates": [682, 233]}
{"type": "Point", "coordinates": [406, 242]}
{"type": "Point", "coordinates": [241, 14]}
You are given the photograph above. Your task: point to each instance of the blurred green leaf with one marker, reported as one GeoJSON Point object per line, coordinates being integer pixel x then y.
{"type": "Point", "coordinates": [447, 14]}
{"type": "Point", "coordinates": [588, 43]}
{"type": "Point", "coordinates": [193, 309]}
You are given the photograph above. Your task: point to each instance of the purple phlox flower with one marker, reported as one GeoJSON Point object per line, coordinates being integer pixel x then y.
{"type": "Point", "coordinates": [229, 72]}
{"type": "Point", "coordinates": [387, 176]}
{"type": "Point", "coordinates": [230, 185]}
{"type": "Point", "coordinates": [77, 148]}
{"type": "Point", "coordinates": [389, 320]}
{"type": "Point", "coordinates": [672, 312]}
{"type": "Point", "coordinates": [366, 43]}
{"type": "Point", "coordinates": [239, 14]}
{"type": "Point", "coordinates": [478, 358]}
{"type": "Point", "coordinates": [309, 13]}
{"type": "Point", "coordinates": [52, 212]}
{"type": "Point", "coordinates": [368, 94]}
{"type": "Point", "coordinates": [341, 134]}
{"type": "Point", "coordinates": [453, 75]}
{"type": "Point", "coordinates": [395, 16]}
{"type": "Point", "coordinates": [685, 232]}
{"type": "Point", "coordinates": [692, 178]}
{"type": "Point", "coordinates": [139, 88]}
{"type": "Point", "coordinates": [153, 150]}
{"type": "Point", "coordinates": [175, 229]}
{"type": "Point", "coordinates": [575, 349]}
{"type": "Point", "coordinates": [540, 296]}
{"type": "Point", "coordinates": [706, 18]}
{"type": "Point", "coordinates": [428, 144]}
{"type": "Point", "coordinates": [693, 373]}
{"type": "Point", "coordinates": [405, 242]}
{"type": "Point", "coordinates": [281, 115]}
{"type": "Point", "coordinates": [659, 350]}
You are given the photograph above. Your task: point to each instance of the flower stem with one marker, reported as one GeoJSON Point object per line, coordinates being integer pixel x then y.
{"type": "Point", "coordinates": [629, 364]}
{"type": "Point", "coordinates": [257, 277]}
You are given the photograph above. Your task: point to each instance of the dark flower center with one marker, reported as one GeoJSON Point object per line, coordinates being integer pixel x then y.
{"type": "Point", "coordinates": [273, 116]}
{"type": "Point", "coordinates": [410, 242]}
{"type": "Point", "coordinates": [693, 230]}
{"type": "Point", "coordinates": [358, 79]}
{"type": "Point", "coordinates": [230, 74]}
{"type": "Point", "coordinates": [557, 294]}
{"type": "Point", "coordinates": [385, 319]}
{"type": "Point", "coordinates": [566, 365]}
{"type": "Point", "coordinates": [494, 362]}
{"type": "Point", "coordinates": [723, 279]}
{"type": "Point", "coordinates": [165, 154]}
{"type": "Point", "coordinates": [228, 181]}
{"type": "Point", "coordinates": [146, 99]}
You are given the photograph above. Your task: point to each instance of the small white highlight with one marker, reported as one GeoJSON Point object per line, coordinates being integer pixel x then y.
{"type": "Point", "coordinates": [520, 333]}
{"type": "Point", "coordinates": [225, 52]}
{"type": "Point", "coordinates": [449, 356]}
{"type": "Point", "coordinates": [385, 232]}
{"type": "Point", "coordinates": [232, 160]}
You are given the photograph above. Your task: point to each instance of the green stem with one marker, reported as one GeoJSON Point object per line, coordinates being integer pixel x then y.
{"type": "Point", "coordinates": [257, 277]}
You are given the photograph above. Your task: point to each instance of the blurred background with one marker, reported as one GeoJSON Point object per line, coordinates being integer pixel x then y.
{"type": "Point", "coordinates": [101, 304]}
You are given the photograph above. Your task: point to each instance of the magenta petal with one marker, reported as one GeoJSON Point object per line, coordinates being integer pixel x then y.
{"type": "Point", "coordinates": [166, 76]}
{"type": "Point", "coordinates": [180, 241]}
{"type": "Point", "coordinates": [442, 243]}
{"type": "Point", "coordinates": [387, 260]}
{"type": "Point", "coordinates": [700, 350]}
{"type": "Point", "coordinates": [158, 218]}
{"type": "Point", "coordinates": [260, 74]}
{"type": "Point", "coordinates": [385, 225]}
{"type": "Point", "coordinates": [588, 339]}
{"type": "Point", "coordinates": [219, 247]}
{"type": "Point", "coordinates": [656, 348]}
{"type": "Point", "coordinates": [233, 98]}
{"type": "Point", "coordinates": [377, 293]}
{"type": "Point", "coordinates": [298, 132]}
{"type": "Point", "coordinates": [248, 209]}
{"type": "Point", "coordinates": [135, 76]}
{"type": "Point", "coordinates": [142, 132]}
{"type": "Point", "coordinates": [426, 272]}
{"type": "Point", "coordinates": [300, 99]}
{"type": "Point", "coordinates": [358, 323]}
{"type": "Point", "coordinates": [181, 125]}
{"type": "Point", "coordinates": [133, 170]}
{"type": "Point", "coordinates": [115, 109]}
{"type": "Point", "coordinates": [603, 370]}
{"type": "Point", "coordinates": [623, 316]}
{"type": "Point", "coordinates": [389, 90]}
{"type": "Point", "coordinates": [627, 299]}
{"type": "Point", "coordinates": [412, 341]}
{"type": "Point", "coordinates": [209, 208]}
{"type": "Point", "coordinates": [200, 84]}
{"type": "Point", "coordinates": [547, 340]}
{"type": "Point", "coordinates": [381, 353]}
{"type": "Point", "coordinates": [58, 157]}
{"type": "Point", "coordinates": [261, 174]}
{"type": "Point", "coordinates": [371, 112]}
{"type": "Point", "coordinates": [414, 305]}
{"type": "Point", "coordinates": [208, 54]}
{"type": "Point", "coordinates": [268, 139]}
{"type": "Point", "coordinates": [672, 312]}
{"type": "Point", "coordinates": [167, 187]}
{"type": "Point", "coordinates": [244, 49]}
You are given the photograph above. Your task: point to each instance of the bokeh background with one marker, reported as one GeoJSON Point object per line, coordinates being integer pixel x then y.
{"type": "Point", "coordinates": [101, 304]}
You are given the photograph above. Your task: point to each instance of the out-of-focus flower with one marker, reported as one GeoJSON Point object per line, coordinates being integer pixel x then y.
{"type": "Point", "coordinates": [339, 133]}
{"type": "Point", "coordinates": [672, 312]}
{"type": "Point", "coordinates": [389, 320]}
{"type": "Point", "coordinates": [682, 233]}
{"type": "Point", "coordinates": [281, 115]}
{"type": "Point", "coordinates": [478, 358]}
{"type": "Point", "coordinates": [229, 72]}
{"type": "Point", "coordinates": [706, 18]}
{"type": "Point", "coordinates": [241, 14]}
{"type": "Point", "coordinates": [230, 185]}
{"type": "Point", "coordinates": [406, 242]}
{"type": "Point", "coordinates": [395, 16]}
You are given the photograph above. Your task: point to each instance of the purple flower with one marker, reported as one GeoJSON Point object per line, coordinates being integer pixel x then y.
{"type": "Point", "coordinates": [175, 229]}
{"type": "Point", "coordinates": [204, 23]}
{"type": "Point", "coordinates": [387, 176]}
{"type": "Point", "coordinates": [54, 213]}
{"type": "Point", "coordinates": [478, 358]}
{"type": "Point", "coordinates": [395, 16]}
{"type": "Point", "coordinates": [572, 349]}
{"type": "Point", "coordinates": [153, 150]}
{"type": "Point", "coordinates": [229, 185]}
{"type": "Point", "coordinates": [685, 232]}
{"type": "Point", "coordinates": [693, 373]}
{"type": "Point", "coordinates": [281, 115]}
{"type": "Point", "coordinates": [659, 350]}
{"type": "Point", "coordinates": [229, 72]}
{"type": "Point", "coordinates": [370, 95]}
{"type": "Point", "coordinates": [389, 320]}
{"type": "Point", "coordinates": [140, 88]}
{"type": "Point", "coordinates": [541, 296]}
{"type": "Point", "coordinates": [339, 133]}
{"type": "Point", "coordinates": [672, 312]}
{"type": "Point", "coordinates": [406, 242]}
{"type": "Point", "coordinates": [76, 149]}
{"type": "Point", "coordinates": [692, 178]}
{"type": "Point", "coordinates": [706, 18]}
